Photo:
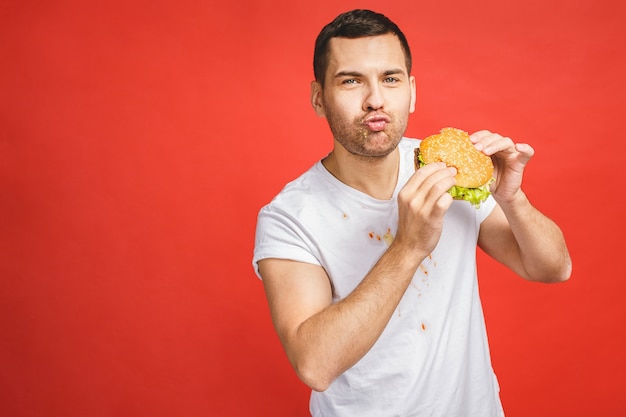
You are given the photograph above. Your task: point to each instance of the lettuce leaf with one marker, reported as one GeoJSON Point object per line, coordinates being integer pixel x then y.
{"type": "Point", "coordinates": [473, 195]}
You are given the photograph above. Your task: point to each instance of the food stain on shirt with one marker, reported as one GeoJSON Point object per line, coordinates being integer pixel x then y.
{"type": "Point", "coordinates": [422, 279]}
{"type": "Point", "coordinates": [419, 291]}
{"type": "Point", "coordinates": [387, 237]}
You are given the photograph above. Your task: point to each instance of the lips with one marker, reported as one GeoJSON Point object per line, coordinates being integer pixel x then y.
{"type": "Point", "coordinates": [376, 122]}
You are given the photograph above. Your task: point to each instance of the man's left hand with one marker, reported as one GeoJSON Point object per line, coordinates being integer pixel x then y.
{"type": "Point", "coordinates": [509, 160]}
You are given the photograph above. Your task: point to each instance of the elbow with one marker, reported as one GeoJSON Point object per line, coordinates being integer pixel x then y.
{"type": "Point", "coordinates": [566, 274]}
{"type": "Point", "coordinates": [316, 384]}
{"type": "Point", "coordinates": [315, 375]}
{"type": "Point", "coordinates": [562, 273]}
{"type": "Point", "coordinates": [554, 278]}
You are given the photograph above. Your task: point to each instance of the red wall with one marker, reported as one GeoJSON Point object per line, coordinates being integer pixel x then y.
{"type": "Point", "coordinates": [138, 139]}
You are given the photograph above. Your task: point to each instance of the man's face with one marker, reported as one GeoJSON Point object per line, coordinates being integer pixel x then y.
{"type": "Point", "coordinates": [368, 94]}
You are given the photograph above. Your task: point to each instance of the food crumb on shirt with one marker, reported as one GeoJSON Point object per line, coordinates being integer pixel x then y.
{"type": "Point", "coordinates": [388, 237]}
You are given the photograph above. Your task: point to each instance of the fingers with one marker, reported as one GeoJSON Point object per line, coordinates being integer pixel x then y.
{"type": "Point", "coordinates": [490, 143]}
{"type": "Point", "coordinates": [431, 175]}
{"type": "Point", "coordinates": [422, 204]}
{"type": "Point", "coordinates": [477, 136]}
{"type": "Point", "coordinates": [443, 203]}
{"type": "Point", "coordinates": [525, 149]}
{"type": "Point", "coordinates": [428, 185]}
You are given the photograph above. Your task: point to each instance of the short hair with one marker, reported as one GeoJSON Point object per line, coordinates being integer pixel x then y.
{"type": "Point", "coordinates": [355, 24]}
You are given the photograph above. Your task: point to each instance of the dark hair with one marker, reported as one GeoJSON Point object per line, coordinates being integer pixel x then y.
{"type": "Point", "coordinates": [354, 24]}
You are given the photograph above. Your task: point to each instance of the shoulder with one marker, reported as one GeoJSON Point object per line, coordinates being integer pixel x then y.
{"type": "Point", "coordinates": [288, 226]}
{"type": "Point", "coordinates": [304, 202]}
{"type": "Point", "coordinates": [301, 190]}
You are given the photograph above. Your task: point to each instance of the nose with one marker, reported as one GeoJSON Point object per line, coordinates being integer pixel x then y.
{"type": "Point", "coordinates": [374, 99]}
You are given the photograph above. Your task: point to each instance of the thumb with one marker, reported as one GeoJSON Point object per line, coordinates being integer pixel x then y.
{"type": "Point", "coordinates": [526, 152]}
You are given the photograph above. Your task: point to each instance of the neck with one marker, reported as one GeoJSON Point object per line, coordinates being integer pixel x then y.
{"type": "Point", "coordinates": [375, 176]}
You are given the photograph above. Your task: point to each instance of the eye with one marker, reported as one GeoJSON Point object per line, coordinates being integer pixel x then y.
{"type": "Point", "coordinates": [391, 80]}
{"type": "Point", "coordinates": [349, 81]}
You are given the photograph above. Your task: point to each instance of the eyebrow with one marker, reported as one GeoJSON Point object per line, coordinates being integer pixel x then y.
{"type": "Point", "coordinates": [392, 71]}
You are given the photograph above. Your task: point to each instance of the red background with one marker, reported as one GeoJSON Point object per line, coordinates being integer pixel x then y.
{"type": "Point", "coordinates": [138, 140]}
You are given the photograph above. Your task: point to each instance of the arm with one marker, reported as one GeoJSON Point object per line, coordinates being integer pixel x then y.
{"type": "Point", "coordinates": [527, 242]}
{"type": "Point", "coordinates": [323, 339]}
{"type": "Point", "coordinates": [516, 233]}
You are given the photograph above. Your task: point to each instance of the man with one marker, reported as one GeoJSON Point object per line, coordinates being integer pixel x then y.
{"type": "Point", "coordinates": [369, 266]}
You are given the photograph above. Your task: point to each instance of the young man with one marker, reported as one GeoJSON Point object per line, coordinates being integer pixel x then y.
{"type": "Point", "coordinates": [369, 266]}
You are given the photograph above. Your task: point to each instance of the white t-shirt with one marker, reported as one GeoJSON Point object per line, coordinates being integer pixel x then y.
{"type": "Point", "coordinates": [433, 357]}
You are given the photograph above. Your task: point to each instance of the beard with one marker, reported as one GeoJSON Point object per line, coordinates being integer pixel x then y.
{"type": "Point", "coordinates": [360, 141]}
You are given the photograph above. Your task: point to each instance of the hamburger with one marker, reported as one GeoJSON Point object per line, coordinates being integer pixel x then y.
{"type": "Point", "coordinates": [454, 148]}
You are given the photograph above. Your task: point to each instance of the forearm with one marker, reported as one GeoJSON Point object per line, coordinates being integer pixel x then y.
{"type": "Point", "coordinates": [330, 342]}
{"type": "Point", "coordinates": [323, 339]}
{"type": "Point", "coordinates": [541, 246]}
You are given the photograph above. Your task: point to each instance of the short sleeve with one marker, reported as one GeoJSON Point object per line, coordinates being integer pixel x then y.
{"type": "Point", "coordinates": [485, 209]}
{"type": "Point", "coordinates": [280, 235]}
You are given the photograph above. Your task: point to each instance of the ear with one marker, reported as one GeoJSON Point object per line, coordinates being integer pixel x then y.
{"type": "Point", "coordinates": [413, 94]}
{"type": "Point", "coordinates": [316, 99]}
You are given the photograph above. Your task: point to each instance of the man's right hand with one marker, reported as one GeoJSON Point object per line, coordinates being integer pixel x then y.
{"type": "Point", "coordinates": [422, 204]}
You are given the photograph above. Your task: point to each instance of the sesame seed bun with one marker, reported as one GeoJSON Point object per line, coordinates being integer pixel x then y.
{"type": "Point", "coordinates": [454, 147]}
